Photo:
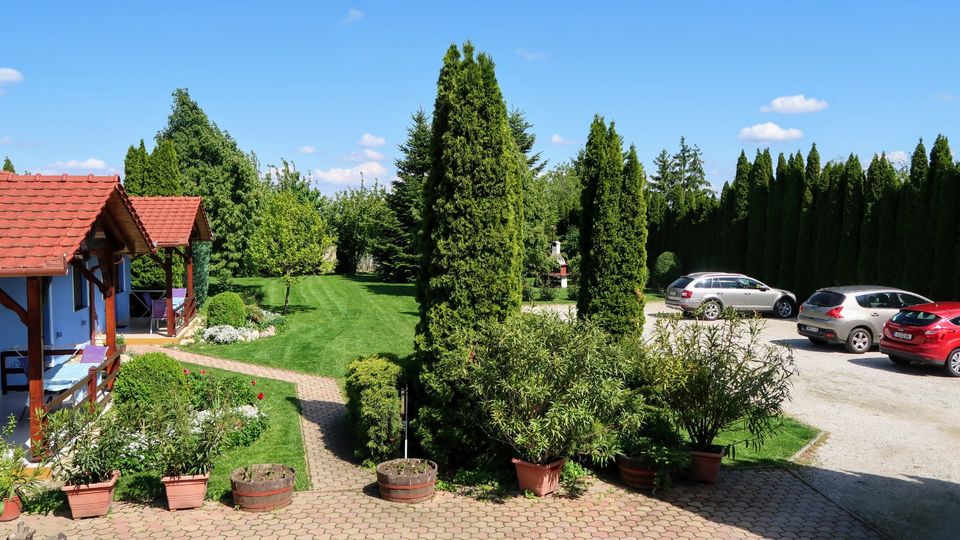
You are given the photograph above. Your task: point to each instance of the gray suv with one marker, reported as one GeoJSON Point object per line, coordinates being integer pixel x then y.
{"type": "Point", "coordinates": [852, 315]}
{"type": "Point", "coordinates": [710, 292]}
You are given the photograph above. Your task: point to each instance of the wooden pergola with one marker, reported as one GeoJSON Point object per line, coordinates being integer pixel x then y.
{"type": "Point", "coordinates": [175, 224]}
{"type": "Point", "coordinates": [49, 224]}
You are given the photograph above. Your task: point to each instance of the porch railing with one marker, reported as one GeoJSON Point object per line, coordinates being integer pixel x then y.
{"type": "Point", "coordinates": [185, 313]}
{"type": "Point", "coordinates": [92, 384]}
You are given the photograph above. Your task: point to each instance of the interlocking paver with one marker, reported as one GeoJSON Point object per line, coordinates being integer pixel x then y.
{"type": "Point", "coordinates": [743, 504]}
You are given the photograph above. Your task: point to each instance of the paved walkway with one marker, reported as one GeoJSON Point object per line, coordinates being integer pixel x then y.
{"type": "Point", "coordinates": [344, 503]}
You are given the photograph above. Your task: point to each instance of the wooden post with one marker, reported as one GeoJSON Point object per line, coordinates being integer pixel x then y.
{"type": "Point", "coordinates": [34, 358]}
{"type": "Point", "coordinates": [188, 255]}
{"type": "Point", "coordinates": [92, 375]}
{"type": "Point", "coordinates": [168, 268]}
{"type": "Point", "coordinates": [108, 273]}
{"type": "Point", "coordinates": [92, 309]}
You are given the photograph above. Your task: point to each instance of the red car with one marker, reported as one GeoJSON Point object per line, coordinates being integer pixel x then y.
{"type": "Point", "coordinates": [925, 333]}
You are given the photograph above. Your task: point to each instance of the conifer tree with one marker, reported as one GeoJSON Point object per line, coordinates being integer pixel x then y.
{"type": "Point", "coordinates": [829, 220]}
{"type": "Point", "coordinates": [470, 274]}
{"type": "Point", "coordinates": [740, 188]}
{"type": "Point", "coordinates": [775, 216]}
{"type": "Point", "coordinates": [162, 171]}
{"type": "Point", "coordinates": [812, 187]}
{"type": "Point", "coordinates": [852, 221]}
{"type": "Point", "coordinates": [761, 175]}
{"type": "Point", "coordinates": [396, 251]}
{"type": "Point", "coordinates": [792, 211]}
{"type": "Point", "coordinates": [943, 204]}
{"type": "Point", "coordinates": [916, 196]}
{"type": "Point", "coordinates": [869, 233]}
{"type": "Point", "coordinates": [8, 166]}
{"type": "Point", "coordinates": [135, 169]}
{"type": "Point", "coordinates": [889, 251]}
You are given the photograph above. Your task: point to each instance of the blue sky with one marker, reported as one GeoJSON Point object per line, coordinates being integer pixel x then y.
{"type": "Point", "coordinates": [331, 85]}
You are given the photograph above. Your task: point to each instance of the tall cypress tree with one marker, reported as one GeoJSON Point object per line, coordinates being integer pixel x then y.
{"type": "Point", "coordinates": [943, 204]}
{"type": "Point", "coordinates": [810, 191]}
{"type": "Point", "coordinates": [792, 211]}
{"type": "Point", "coordinates": [916, 222]}
{"type": "Point", "coordinates": [633, 279]}
{"type": "Point", "coordinates": [852, 221]}
{"type": "Point", "coordinates": [829, 220]}
{"type": "Point", "coordinates": [775, 216]}
{"type": "Point", "coordinates": [8, 166]}
{"type": "Point", "coordinates": [889, 258]}
{"type": "Point", "coordinates": [162, 176]}
{"type": "Point", "coordinates": [470, 274]}
{"type": "Point", "coordinates": [761, 175]}
{"type": "Point", "coordinates": [135, 169]}
{"type": "Point", "coordinates": [739, 238]}
{"type": "Point", "coordinates": [396, 251]}
{"type": "Point", "coordinates": [869, 232]}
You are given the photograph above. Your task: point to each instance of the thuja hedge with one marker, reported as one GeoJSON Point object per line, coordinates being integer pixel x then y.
{"type": "Point", "coordinates": [373, 407]}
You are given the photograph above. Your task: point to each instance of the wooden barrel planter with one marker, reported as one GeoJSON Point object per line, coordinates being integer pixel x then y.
{"type": "Point", "coordinates": [636, 473]}
{"type": "Point", "coordinates": [262, 487]}
{"type": "Point", "coordinates": [407, 480]}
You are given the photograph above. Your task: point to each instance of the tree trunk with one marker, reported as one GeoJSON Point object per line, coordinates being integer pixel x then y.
{"type": "Point", "coordinates": [286, 299]}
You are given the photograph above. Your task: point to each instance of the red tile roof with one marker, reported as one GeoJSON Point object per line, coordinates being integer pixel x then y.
{"type": "Point", "coordinates": [171, 220]}
{"type": "Point", "coordinates": [45, 219]}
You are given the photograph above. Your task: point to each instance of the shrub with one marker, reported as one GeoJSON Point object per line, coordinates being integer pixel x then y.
{"type": "Point", "coordinates": [666, 269]}
{"type": "Point", "coordinates": [526, 294]}
{"type": "Point", "coordinates": [147, 379]}
{"type": "Point", "coordinates": [714, 377]}
{"type": "Point", "coordinates": [206, 391]}
{"type": "Point", "coordinates": [373, 407]}
{"type": "Point", "coordinates": [226, 309]}
{"type": "Point", "coordinates": [552, 389]}
{"type": "Point", "coordinates": [83, 444]}
{"type": "Point", "coordinates": [548, 294]}
{"type": "Point", "coordinates": [225, 335]}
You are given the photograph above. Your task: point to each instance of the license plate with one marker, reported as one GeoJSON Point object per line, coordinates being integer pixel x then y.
{"type": "Point", "coordinates": [902, 335]}
{"type": "Point", "coordinates": [812, 329]}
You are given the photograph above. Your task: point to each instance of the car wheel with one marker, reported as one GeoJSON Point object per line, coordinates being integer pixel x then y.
{"type": "Point", "coordinates": [817, 340]}
{"type": "Point", "coordinates": [783, 308]}
{"type": "Point", "coordinates": [899, 360]}
{"type": "Point", "coordinates": [859, 341]}
{"type": "Point", "coordinates": [710, 311]}
{"type": "Point", "coordinates": [952, 365]}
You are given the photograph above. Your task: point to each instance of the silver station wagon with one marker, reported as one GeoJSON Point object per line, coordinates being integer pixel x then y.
{"type": "Point", "coordinates": [852, 315]}
{"type": "Point", "coordinates": [711, 292]}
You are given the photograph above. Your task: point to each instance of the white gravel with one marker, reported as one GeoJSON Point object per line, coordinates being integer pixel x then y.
{"type": "Point", "coordinates": [892, 455]}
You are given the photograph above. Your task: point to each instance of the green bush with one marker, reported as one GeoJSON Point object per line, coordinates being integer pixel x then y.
{"type": "Point", "coordinates": [207, 391]}
{"type": "Point", "coordinates": [526, 294]}
{"type": "Point", "coordinates": [201, 271]}
{"type": "Point", "coordinates": [572, 292]}
{"type": "Point", "coordinates": [373, 407]}
{"type": "Point", "coordinates": [148, 379]}
{"type": "Point", "coordinates": [666, 269]}
{"type": "Point", "coordinates": [552, 389]}
{"type": "Point", "coordinates": [226, 308]}
{"type": "Point", "coordinates": [548, 294]}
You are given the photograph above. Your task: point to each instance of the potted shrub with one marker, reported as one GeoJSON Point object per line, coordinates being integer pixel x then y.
{"type": "Point", "coordinates": [550, 390]}
{"type": "Point", "coordinates": [407, 480]}
{"type": "Point", "coordinates": [647, 456]}
{"type": "Point", "coordinates": [14, 473]}
{"type": "Point", "coordinates": [262, 487]}
{"type": "Point", "coordinates": [714, 377]}
{"type": "Point", "coordinates": [82, 446]}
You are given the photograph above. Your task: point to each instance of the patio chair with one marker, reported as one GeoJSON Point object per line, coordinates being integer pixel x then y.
{"type": "Point", "coordinates": [158, 312]}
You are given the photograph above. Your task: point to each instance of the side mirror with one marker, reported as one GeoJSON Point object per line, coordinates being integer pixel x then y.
{"type": "Point", "coordinates": [764, 288]}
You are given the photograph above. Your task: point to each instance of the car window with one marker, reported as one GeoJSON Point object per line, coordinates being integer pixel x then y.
{"type": "Point", "coordinates": [907, 300]}
{"type": "Point", "coordinates": [877, 301]}
{"type": "Point", "coordinates": [747, 283]}
{"type": "Point", "coordinates": [955, 321]}
{"type": "Point", "coordinates": [826, 299]}
{"type": "Point", "coordinates": [680, 283]}
{"type": "Point", "coordinates": [705, 284]}
{"type": "Point", "coordinates": [909, 317]}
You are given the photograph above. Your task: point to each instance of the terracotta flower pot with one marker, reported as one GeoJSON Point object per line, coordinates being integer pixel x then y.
{"type": "Point", "coordinates": [706, 465]}
{"type": "Point", "coordinates": [185, 491]}
{"type": "Point", "coordinates": [540, 479]}
{"type": "Point", "coordinates": [91, 500]}
{"type": "Point", "coordinates": [270, 487]}
{"type": "Point", "coordinates": [11, 509]}
{"type": "Point", "coordinates": [407, 480]}
{"type": "Point", "coordinates": [636, 473]}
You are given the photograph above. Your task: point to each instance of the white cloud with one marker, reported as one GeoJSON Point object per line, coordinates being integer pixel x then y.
{"type": "Point", "coordinates": [10, 75]}
{"type": "Point", "coordinates": [557, 139]}
{"type": "Point", "coordinates": [798, 104]}
{"type": "Point", "coordinates": [367, 154]}
{"type": "Point", "coordinates": [353, 15]}
{"type": "Point", "coordinates": [945, 97]}
{"type": "Point", "coordinates": [768, 131]}
{"type": "Point", "coordinates": [307, 149]}
{"type": "Point", "coordinates": [530, 56]}
{"type": "Point", "coordinates": [368, 170]}
{"type": "Point", "coordinates": [91, 164]}
{"type": "Point", "coordinates": [897, 156]}
{"type": "Point", "coordinates": [371, 141]}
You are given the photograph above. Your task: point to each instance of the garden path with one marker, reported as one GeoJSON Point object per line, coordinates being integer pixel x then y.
{"type": "Point", "coordinates": [769, 503]}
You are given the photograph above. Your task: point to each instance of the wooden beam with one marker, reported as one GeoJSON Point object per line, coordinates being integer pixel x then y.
{"type": "Point", "coordinates": [8, 302]}
{"type": "Point", "coordinates": [91, 277]}
{"type": "Point", "coordinates": [35, 359]}
{"type": "Point", "coordinates": [108, 270]}
{"type": "Point", "coordinates": [189, 261]}
{"type": "Point", "coordinates": [168, 269]}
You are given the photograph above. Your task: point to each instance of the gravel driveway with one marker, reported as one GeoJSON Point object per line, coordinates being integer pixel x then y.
{"type": "Point", "coordinates": [892, 453]}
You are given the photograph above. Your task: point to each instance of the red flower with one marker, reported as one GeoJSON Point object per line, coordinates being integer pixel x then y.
{"type": "Point", "coordinates": [203, 372]}
{"type": "Point", "coordinates": [253, 382]}
{"type": "Point", "coordinates": [260, 396]}
{"type": "Point", "coordinates": [186, 372]}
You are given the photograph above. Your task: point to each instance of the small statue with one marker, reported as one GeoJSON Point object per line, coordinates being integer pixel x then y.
{"type": "Point", "coordinates": [26, 533]}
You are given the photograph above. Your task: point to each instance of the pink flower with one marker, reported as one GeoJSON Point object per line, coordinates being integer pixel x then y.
{"type": "Point", "coordinates": [186, 372]}
{"type": "Point", "coordinates": [260, 396]}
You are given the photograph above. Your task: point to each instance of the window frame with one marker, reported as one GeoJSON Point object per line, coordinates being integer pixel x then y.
{"type": "Point", "coordinates": [81, 293]}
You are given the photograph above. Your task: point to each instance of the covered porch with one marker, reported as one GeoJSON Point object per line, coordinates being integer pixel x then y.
{"type": "Point", "coordinates": [174, 224]}
{"type": "Point", "coordinates": [56, 231]}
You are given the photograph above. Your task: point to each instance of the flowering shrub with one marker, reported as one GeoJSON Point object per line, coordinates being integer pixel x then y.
{"type": "Point", "coordinates": [225, 335]}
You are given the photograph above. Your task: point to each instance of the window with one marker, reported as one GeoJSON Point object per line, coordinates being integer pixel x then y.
{"type": "Point", "coordinates": [727, 283]}
{"type": "Point", "coordinates": [680, 283]}
{"type": "Point", "coordinates": [80, 293]}
{"type": "Point", "coordinates": [118, 277]}
{"type": "Point", "coordinates": [907, 300]}
{"type": "Point", "coordinates": [826, 299]}
{"type": "Point", "coordinates": [747, 283]}
{"type": "Point", "coordinates": [915, 318]}
{"type": "Point", "coordinates": [707, 284]}
{"type": "Point", "coordinates": [877, 301]}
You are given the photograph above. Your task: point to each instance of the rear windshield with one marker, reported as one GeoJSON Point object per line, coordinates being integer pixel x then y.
{"type": "Point", "coordinates": [681, 283]}
{"type": "Point", "coordinates": [826, 299]}
{"type": "Point", "coordinates": [915, 318]}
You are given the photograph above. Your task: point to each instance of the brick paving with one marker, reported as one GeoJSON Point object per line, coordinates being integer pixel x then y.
{"type": "Point", "coordinates": [768, 503]}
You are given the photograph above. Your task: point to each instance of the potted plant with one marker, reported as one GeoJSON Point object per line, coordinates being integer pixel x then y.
{"type": "Point", "coordinates": [14, 473]}
{"type": "Point", "coordinates": [188, 446]}
{"type": "Point", "coordinates": [262, 487]}
{"type": "Point", "coordinates": [647, 456]}
{"type": "Point", "coordinates": [550, 390]}
{"type": "Point", "coordinates": [82, 445]}
{"type": "Point", "coordinates": [407, 480]}
{"type": "Point", "coordinates": [714, 377]}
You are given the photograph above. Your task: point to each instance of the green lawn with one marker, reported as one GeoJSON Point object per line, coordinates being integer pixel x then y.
{"type": "Point", "coordinates": [281, 443]}
{"type": "Point", "coordinates": [333, 320]}
{"type": "Point", "coordinates": [777, 449]}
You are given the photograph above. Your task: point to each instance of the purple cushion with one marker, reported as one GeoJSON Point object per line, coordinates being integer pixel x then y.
{"type": "Point", "coordinates": [159, 309]}
{"type": "Point", "coordinates": [179, 293]}
{"type": "Point", "coordinates": [93, 354]}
